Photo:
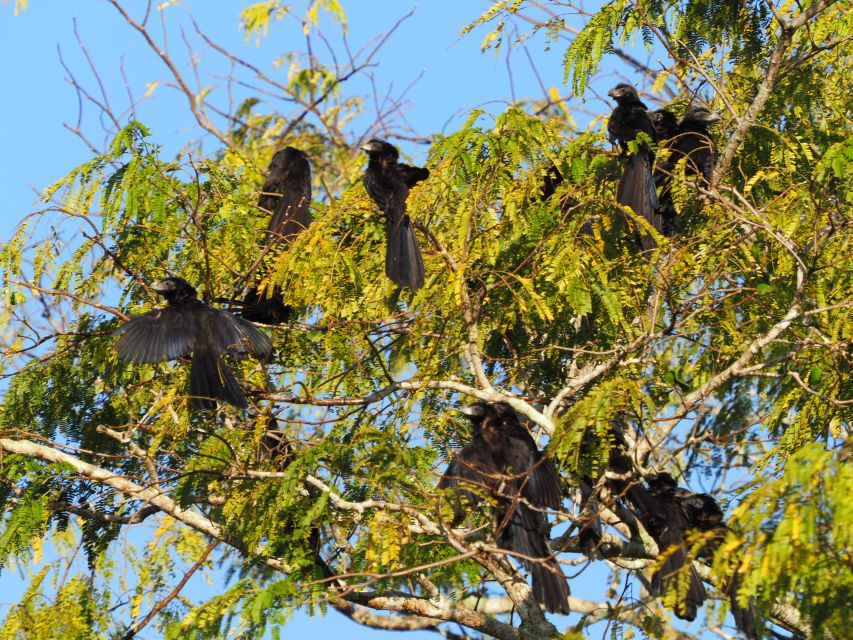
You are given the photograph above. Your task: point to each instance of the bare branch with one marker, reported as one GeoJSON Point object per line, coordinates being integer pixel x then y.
{"type": "Point", "coordinates": [172, 594]}
{"type": "Point", "coordinates": [491, 395]}
{"type": "Point", "coordinates": [192, 97]}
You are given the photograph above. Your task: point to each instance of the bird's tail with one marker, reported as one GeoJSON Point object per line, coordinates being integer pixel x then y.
{"type": "Point", "coordinates": [744, 615]}
{"type": "Point", "coordinates": [288, 222]}
{"type": "Point", "coordinates": [550, 588]}
{"type": "Point", "coordinates": [211, 380]}
{"type": "Point", "coordinates": [526, 534]}
{"type": "Point", "coordinates": [678, 581]}
{"type": "Point", "coordinates": [666, 206]}
{"type": "Point", "coordinates": [403, 262]}
{"type": "Point", "coordinates": [637, 191]}
{"type": "Point", "coordinates": [590, 533]}
{"type": "Point", "coordinates": [676, 578]}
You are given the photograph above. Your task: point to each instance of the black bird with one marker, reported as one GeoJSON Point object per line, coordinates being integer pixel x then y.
{"type": "Point", "coordinates": [660, 510]}
{"type": "Point", "coordinates": [674, 513]}
{"type": "Point", "coordinates": [665, 123]}
{"type": "Point", "coordinates": [187, 325]}
{"type": "Point", "coordinates": [668, 512]}
{"type": "Point", "coordinates": [286, 195]}
{"type": "Point", "coordinates": [502, 461]}
{"type": "Point", "coordinates": [701, 513]}
{"type": "Point", "coordinates": [636, 188]}
{"type": "Point", "coordinates": [388, 182]}
{"type": "Point", "coordinates": [666, 128]}
{"type": "Point", "coordinates": [692, 140]}
{"type": "Point", "coordinates": [551, 182]}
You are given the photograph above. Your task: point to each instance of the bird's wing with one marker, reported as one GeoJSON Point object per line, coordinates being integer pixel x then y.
{"type": "Point", "coordinates": [542, 483]}
{"type": "Point", "coordinates": [702, 510]}
{"type": "Point", "coordinates": [613, 126]}
{"type": "Point", "coordinates": [465, 469]}
{"type": "Point", "coordinates": [412, 175]}
{"type": "Point", "coordinates": [290, 210]}
{"type": "Point", "coordinates": [389, 192]}
{"type": "Point", "coordinates": [640, 120]}
{"type": "Point", "coordinates": [465, 481]}
{"type": "Point", "coordinates": [231, 332]}
{"type": "Point", "coordinates": [162, 334]}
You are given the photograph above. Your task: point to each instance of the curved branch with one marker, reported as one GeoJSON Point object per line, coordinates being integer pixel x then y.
{"type": "Point", "coordinates": [652, 441]}
{"type": "Point", "coordinates": [490, 395]}
{"type": "Point", "coordinates": [362, 616]}
{"type": "Point", "coordinates": [774, 66]}
{"type": "Point", "coordinates": [192, 97]}
{"type": "Point", "coordinates": [154, 497]}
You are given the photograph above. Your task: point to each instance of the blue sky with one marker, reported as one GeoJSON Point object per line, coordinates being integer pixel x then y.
{"type": "Point", "coordinates": [37, 149]}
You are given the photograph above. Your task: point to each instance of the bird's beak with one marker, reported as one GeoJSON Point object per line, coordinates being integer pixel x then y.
{"type": "Point", "coordinates": [368, 147]}
{"type": "Point", "coordinates": [713, 116]}
{"type": "Point", "coordinates": [163, 285]}
{"type": "Point", "coordinates": [472, 410]}
{"type": "Point", "coordinates": [613, 93]}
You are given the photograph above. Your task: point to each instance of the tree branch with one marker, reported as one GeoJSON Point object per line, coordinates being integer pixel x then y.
{"type": "Point", "coordinates": [774, 66]}
{"type": "Point", "coordinates": [154, 497]}
{"type": "Point", "coordinates": [662, 431]}
{"type": "Point", "coordinates": [172, 594]}
{"type": "Point", "coordinates": [491, 395]}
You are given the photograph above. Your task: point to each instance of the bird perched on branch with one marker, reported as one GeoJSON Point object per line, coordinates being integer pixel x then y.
{"type": "Point", "coordinates": [691, 141]}
{"type": "Point", "coordinates": [388, 182]}
{"type": "Point", "coordinates": [671, 516]}
{"type": "Point", "coordinates": [666, 128]}
{"type": "Point", "coordinates": [665, 123]}
{"type": "Point", "coordinates": [659, 509]}
{"type": "Point", "coordinates": [286, 195]}
{"type": "Point", "coordinates": [676, 512]}
{"type": "Point", "coordinates": [636, 188]}
{"type": "Point", "coordinates": [695, 142]}
{"type": "Point", "coordinates": [188, 326]}
{"type": "Point", "coordinates": [502, 462]}
{"type": "Point", "coordinates": [669, 513]}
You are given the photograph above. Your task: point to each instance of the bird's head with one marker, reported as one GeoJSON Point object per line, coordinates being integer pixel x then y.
{"type": "Point", "coordinates": [662, 483]}
{"type": "Point", "coordinates": [474, 411]}
{"type": "Point", "coordinates": [288, 158]}
{"type": "Point", "coordinates": [379, 148]}
{"type": "Point", "coordinates": [664, 120]}
{"type": "Point", "coordinates": [480, 411]}
{"type": "Point", "coordinates": [703, 115]}
{"type": "Point", "coordinates": [174, 289]}
{"type": "Point", "coordinates": [623, 91]}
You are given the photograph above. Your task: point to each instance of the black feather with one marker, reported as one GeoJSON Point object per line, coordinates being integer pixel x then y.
{"type": "Point", "coordinates": [388, 182]}
{"type": "Point", "coordinates": [693, 142]}
{"type": "Point", "coordinates": [665, 123]}
{"type": "Point", "coordinates": [211, 380]}
{"type": "Point", "coordinates": [188, 326]}
{"type": "Point", "coordinates": [502, 460]}
{"type": "Point", "coordinates": [286, 196]}
{"type": "Point", "coordinates": [636, 188]}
